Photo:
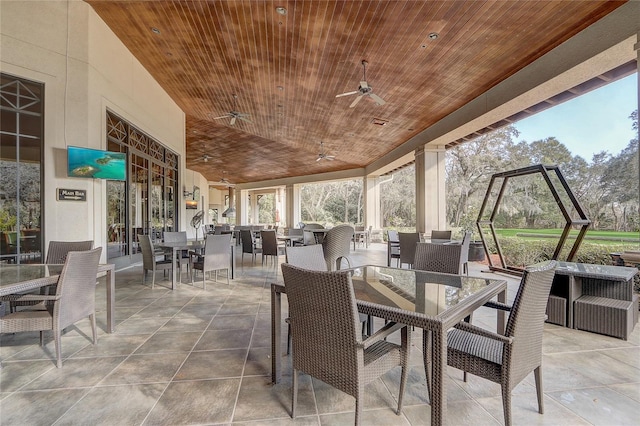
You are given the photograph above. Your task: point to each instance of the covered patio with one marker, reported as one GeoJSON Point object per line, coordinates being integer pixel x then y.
{"type": "Point", "coordinates": [194, 356]}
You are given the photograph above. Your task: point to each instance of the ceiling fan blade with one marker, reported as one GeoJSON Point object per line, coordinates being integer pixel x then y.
{"type": "Point", "coordinates": [233, 120]}
{"type": "Point", "coordinates": [355, 102]}
{"type": "Point", "coordinates": [320, 157]}
{"type": "Point", "coordinates": [364, 85]}
{"type": "Point", "coordinates": [222, 116]}
{"type": "Point", "coordinates": [347, 94]}
{"type": "Point", "coordinates": [377, 98]}
{"type": "Point", "coordinates": [330, 157]}
{"type": "Point", "coordinates": [245, 119]}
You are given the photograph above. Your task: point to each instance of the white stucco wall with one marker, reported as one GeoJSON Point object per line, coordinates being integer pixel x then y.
{"type": "Point", "coordinates": [85, 69]}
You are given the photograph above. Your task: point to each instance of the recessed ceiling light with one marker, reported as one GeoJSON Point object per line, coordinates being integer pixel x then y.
{"type": "Point", "coordinates": [433, 36]}
{"type": "Point", "coordinates": [281, 10]}
{"type": "Point", "coordinates": [155, 30]}
{"type": "Point", "coordinates": [280, 87]}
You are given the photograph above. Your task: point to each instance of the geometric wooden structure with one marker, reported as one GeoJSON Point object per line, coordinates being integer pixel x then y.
{"type": "Point", "coordinates": [545, 171]}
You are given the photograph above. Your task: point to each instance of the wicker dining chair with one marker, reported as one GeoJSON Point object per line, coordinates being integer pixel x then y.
{"type": "Point", "coordinates": [337, 246]}
{"type": "Point", "coordinates": [440, 236]}
{"type": "Point", "coordinates": [74, 300]}
{"type": "Point", "coordinates": [393, 246]}
{"type": "Point", "coordinates": [432, 257]}
{"type": "Point", "coordinates": [183, 256]}
{"type": "Point", "coordinates": [56, 254]}
{"type": "Point", "coordinates": [507, 359]}
{"type": "Point", "coordinates": [216, 257]}
{"type": "Point", "coordinates": [270, 246]}
{"type": "Point", "coordinates": [326, 344]}
{"type": "Point", "coordinates": [408, 241]}
{"type": "Point", "coordinates": [150, 261]}
{"type": "Point", "coordinates": [249, 245]}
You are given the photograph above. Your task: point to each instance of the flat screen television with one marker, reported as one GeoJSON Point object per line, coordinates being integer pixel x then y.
{"type": "Point", "coordinates": [96, 163]}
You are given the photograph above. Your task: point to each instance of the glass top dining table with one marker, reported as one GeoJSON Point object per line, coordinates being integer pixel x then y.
{"type": "Point", "coordinates": [432, 301]}
{"type": "Point", "coordinates": [27, 277]}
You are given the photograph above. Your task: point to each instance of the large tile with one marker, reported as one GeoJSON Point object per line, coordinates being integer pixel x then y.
{"type": "Point", "coordinates": [37, 407]}
{"type": "Point", "coordinates": [223, 339]}
{"type": "Point", "coordinates": [141, 325]}
{"type": "Point", "coordinates": [146, 369]}
{"type": "Point", "coordinates": [213, 365]}
{"type": "Point", "coordinates": [196, 402]}
{"type": "Point", "coordinates": [600, 406]}
{"type": "Point", "coordinates": [14, 375]}
{"type": "Point", "coordinates": [113, 345]}
{"type": "Point", "coordinates": [114, 405]}
{"type": "Point", "coordinates": [76, 372]}
{"type": "Point", "coordinates": [161, 343]}
{"type": "Point", "coordinates": [232, 322]}
{"type": "Point", "coordinates": [259, 399]}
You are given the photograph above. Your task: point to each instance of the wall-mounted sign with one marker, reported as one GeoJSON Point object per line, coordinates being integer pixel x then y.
{"type": "Point", "coordinates": [72, 194]}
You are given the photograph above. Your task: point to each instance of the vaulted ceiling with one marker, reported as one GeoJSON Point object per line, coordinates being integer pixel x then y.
{"type": "Point", "coordinates": [284, 68]}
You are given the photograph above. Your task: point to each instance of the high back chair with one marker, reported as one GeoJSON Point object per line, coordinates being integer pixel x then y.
{"type": "Point", "coordinates": [337, 246]}
{"type": "Point", "coordinates": [507, 359]}
{"type": "Point", "coordinates": [443, 258]}
{"type": "Point", "coordinates": [306, 257]}
{"type": "Point", "coordinates": [74, 300]}
{"type": "Point", "coordinates": [249, 245]}
{"type": "Point", "coordinates": [150, 261]}
{"type": "Point", "coordinates": [57, 251]}
{"type": "Point", "coordinates": [216, 257]}
{"type": "Point", "coordinates": [440, 236]}
{"type": "Point", "coordinates": [393, 246]}
{"type": "Point", "coordinates": [270, 246]}
{"type": "Point", "coordinates": [408, 241]}
{"type": "Point", "coordinates": [326, 344]}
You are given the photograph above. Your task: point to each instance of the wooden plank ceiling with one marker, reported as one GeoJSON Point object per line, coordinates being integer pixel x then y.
{"type": "Point", "coordinates": [286, 70]}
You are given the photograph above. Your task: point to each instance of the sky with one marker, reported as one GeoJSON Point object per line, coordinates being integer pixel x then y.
{"type": "Point", "coordinates": [591, 123]}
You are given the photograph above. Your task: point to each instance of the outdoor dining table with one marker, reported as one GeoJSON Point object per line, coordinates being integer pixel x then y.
{"type": "Point", "coordinates": [432, 301]}
{"type": "Point", "coordinates": [289, 240]}
{"type": "Point", "coordinates": [189, 245]}
{"type": "Point", "coordinates": [26, 277]}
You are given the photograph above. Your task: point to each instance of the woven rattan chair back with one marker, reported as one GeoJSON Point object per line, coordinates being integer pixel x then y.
{"type": "Point", "coordinates": [248, 244]}
{"type": "Point", "coordinates": [307, 257]}
{"type": "Point", "coordinates": [327, 343]}
{"type": "Point", "coordinates": [270, 246]}
{"type": "Point", "coordinates": [74, 300]}
{"type": "Point", "coordinates": [149, 262]}
{"type": "Point", "coordinates": [526, 321]}
{"type": "Point", "coordinates": [508, 359]}
{"type": "Point", "coordinates": [175, 237]}
{"type": "Point", "coordinates": [440, 236]}
{"type": "Point", "coordinates": [217, 256]}
{"type": "Point", "coordinates": [408, 241]}
{"type": "Point", "coordinates": [443, 258]}
{"type": "Point", "coordinates": [57, 251]}
{"type": "Point", "coordinates": [337, 246]}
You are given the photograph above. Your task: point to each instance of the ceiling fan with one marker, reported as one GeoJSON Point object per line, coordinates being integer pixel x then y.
{"type": "Point", "coordinates": [363, 90]}
{"type": "Point", "coordinates": [224, 181]}
{"type": "Point", "coordinates": [235, 115]}
{"type": "Point", "coordinates": [323, 154]}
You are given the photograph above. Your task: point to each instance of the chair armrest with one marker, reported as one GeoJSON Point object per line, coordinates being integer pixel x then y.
{"type": "Point", "coordinates": [470, 328]}
{"type": "Point", "coordinates": [29, 297]}
{"type": "Point", "coordinates": [382, 334]}
{"type": "Point", "coordinates": [498, 305]}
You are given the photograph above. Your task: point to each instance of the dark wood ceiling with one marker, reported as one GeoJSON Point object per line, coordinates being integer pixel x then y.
{"type": "Point", "coordinates": [286, 70]}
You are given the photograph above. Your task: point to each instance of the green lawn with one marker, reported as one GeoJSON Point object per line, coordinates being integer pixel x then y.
{"type": "Point", "coordinates": [601, 237]}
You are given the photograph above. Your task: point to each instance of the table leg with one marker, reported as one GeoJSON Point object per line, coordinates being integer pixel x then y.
{"type": "Point", "coordinates": [439, 369]}
{"type": "Point", "coordinates": [174, 268]}
{"type": "Point", "coordinates": [233, 262]}
{"type": "Point", "coordinates": [276, 318]}
{"type": "Point", "coordinates": [111, 300]}
{"type": "Point", "coordinates": [501, 325]}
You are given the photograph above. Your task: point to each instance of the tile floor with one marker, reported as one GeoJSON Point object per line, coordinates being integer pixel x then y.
{"type": "Point", "coordinates": [194, 356]}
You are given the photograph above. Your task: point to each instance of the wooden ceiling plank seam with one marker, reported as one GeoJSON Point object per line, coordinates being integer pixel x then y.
{"type": "Point", "coordinates": [198, 27]}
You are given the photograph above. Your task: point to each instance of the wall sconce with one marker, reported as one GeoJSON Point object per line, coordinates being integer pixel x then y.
{"type": "Point", "coordinates": [187, 194]}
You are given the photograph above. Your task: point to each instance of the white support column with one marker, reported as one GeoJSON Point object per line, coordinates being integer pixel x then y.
{"type": "Point", "coordinates": [254, 208]}
{"type": "Point", "coordinates": [430, 189]}
{"type": "Point", "coordinates": [296, 206]}
{"type": "Point", "coordinates": [242, 207]}
{"type": "Point", "coordinates": [636, 46]}
{"type": "Point", "coordinates": [372, 204]}
{"type": "Point", "coordinates": [281, 203]}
